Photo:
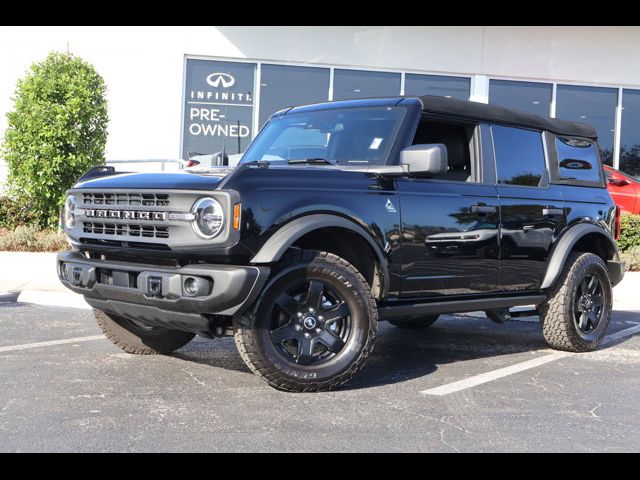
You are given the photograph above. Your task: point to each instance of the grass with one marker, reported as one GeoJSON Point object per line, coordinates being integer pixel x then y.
{"type": "Point", "coordinates": [31, 239]}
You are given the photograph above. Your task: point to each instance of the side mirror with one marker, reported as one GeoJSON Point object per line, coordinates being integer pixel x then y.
{"type": "Point", "coordinates": [618, 182]}
{"type": "Point", "coordinates": [430, 159]}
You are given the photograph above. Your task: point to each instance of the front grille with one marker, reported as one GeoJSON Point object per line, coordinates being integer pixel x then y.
{"type": "Point", "coordinates": [126, 199]}
{"type": "Point", "coordinates": [126, 229]}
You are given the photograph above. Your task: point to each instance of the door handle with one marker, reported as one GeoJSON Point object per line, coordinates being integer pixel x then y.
{"type": "Point", "coordinates": [483, 209]}
{"type": "Point", "coordinates": [548, 212]}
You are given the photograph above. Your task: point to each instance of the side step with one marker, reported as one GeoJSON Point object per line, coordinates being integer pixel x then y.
{"type": "Point", "coordinates": [457, 306]}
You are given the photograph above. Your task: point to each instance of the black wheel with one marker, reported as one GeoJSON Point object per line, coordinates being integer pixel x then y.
{"type": "Point", "coordinates": [313, 326]}
{"type": "Point", "coordinates": [140, 338]}
{"type": "Point", "coordinates": [415, 323]}
{"type": "Point", "coordinates": [578, 309]}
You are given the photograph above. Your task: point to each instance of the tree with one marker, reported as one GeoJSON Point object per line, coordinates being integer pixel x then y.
{"type": "Point", "coordinates": [56, 132]}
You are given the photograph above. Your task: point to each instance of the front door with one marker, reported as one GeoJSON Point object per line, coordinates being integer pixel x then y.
{"type": "Point", "coordinates": [449, 237]}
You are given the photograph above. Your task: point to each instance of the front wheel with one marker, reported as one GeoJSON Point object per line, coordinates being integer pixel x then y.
{"type": "Point", "coordinates": [578, 309]}
{"type": "Point", "coordinates": [313, 327]}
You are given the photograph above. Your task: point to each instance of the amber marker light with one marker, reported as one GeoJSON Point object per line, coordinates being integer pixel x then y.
{"type": "Point", "coordinates": [236, 216]}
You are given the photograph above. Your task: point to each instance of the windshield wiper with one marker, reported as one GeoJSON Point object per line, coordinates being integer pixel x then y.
{"type": "Point", "coordinates": [312, 161]}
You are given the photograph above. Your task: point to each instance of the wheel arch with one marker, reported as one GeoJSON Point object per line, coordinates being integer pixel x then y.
{"type": "Point", "coordinates": [582, 237]}
{"type": "Point", "coordinates": [333, 234]}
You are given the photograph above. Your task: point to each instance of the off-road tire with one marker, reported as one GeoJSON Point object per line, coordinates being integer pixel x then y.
{"type": "Point", "coordinates": [557, 312]}
{"type": "Point", "coordinates": [134, 339]}
{"type": "Point", "coordinates": [251, 329]}
{"type": "Point", "coordinates": [415, 323]}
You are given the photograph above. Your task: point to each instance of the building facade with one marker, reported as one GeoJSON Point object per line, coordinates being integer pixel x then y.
{"type": "Point", "coordinates": [179, 91]}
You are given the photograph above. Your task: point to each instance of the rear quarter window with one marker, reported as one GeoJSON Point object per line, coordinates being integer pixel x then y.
{"type": "Point", "coordinates": [578, 162]}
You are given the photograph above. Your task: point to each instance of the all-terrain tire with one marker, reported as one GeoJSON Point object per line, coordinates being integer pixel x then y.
{"type": "Point", "coordinates": [558, 313]}
{"type": "Point", "coordinates": [252, 330]}
{"type": "Point", "coordinates": [139, 339]}
{"type": "Point", "coordinates": [415, 323]}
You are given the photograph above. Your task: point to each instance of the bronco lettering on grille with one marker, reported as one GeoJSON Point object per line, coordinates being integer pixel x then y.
{"type": "Point", "coordinates": [126, 214]}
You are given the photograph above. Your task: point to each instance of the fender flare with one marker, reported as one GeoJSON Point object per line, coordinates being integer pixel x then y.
{"type": "Point", "coordinates": [279, 242]}
{"type": "Point", "coordinates": [565, 245]}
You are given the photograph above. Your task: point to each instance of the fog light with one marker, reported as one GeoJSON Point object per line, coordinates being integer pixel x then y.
{"type": "Point", "coordinates": [191, 286]}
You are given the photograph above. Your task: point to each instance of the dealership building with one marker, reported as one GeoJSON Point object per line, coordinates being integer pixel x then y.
{"type": "Point", "coordinates": [175, 92]}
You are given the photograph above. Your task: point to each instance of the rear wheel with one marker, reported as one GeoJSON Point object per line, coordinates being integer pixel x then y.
{"type": "Point", "coordinates": [578, 310]}
{"type": "Point", "coordinates": [313, 327]}
{"type": "Point", "coordinates": [140, 338]}
{"type": "Point", "coordinates": [416, 322]}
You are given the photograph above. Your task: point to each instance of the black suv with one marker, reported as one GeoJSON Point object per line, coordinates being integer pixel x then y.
{"type": "Point", "coordinates": [342, 214]}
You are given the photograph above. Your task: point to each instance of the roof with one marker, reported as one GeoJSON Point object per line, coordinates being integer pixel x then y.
{"type": "Point", "coordinates": [461, 109]}
{"type": "Point", "coordinates": [502, 115]}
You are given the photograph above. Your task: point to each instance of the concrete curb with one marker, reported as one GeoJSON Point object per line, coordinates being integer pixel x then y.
{"type": "Point", "coordinates": [52, 299]}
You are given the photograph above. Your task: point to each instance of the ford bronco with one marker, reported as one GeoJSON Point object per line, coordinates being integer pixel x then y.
{"type": "Point", "coordinates": [344, 214]}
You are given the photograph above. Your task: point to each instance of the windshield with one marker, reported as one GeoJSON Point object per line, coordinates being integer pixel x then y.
{"type": "Point", "coordinates": [355, 136]}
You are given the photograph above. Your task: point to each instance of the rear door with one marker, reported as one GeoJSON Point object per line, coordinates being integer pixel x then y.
{"type": "Point", "coordinates": [532, 211]}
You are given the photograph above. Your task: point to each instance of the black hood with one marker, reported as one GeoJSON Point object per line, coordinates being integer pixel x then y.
{"type": "Point", "coordinates": [158, 181]}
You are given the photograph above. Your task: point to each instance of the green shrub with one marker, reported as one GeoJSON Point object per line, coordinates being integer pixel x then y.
{"type": "Point", "coordinates": [32, 239]}
{"type": "Point", "coordinates": [629, 232]}
{"type": "Point", "coordinates": [15, 212]}
{"type": "Point", "coordinates": [56, 132]}
{"type": "Point", "coordinates": [632, 259]}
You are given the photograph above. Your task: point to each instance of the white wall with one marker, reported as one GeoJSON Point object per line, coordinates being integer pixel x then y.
{"type": "Point", "coordinates": [143, 66]}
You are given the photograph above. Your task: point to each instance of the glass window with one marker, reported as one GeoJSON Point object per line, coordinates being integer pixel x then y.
{"type": "Point", "coordinates": [349, 84]}
{"type": "Point", "coordinates": [593, 105]}
{"type": "Point", "coordinates": [519, 155]}
{"type": "Point", "coordinates": [578, 160]}
{"type": "Point", "coordinates": [630, 135]}
{"type": "Point", "coordinates": [526, 96]}
{"type": "Point", "coordinates": [450, 87]}
{"type": "Point", "coordinates": [218, 107]}
{"type": "Point", "coordinates": [351, 136]}
{"type": "Point", "coordinates": [284, 86]}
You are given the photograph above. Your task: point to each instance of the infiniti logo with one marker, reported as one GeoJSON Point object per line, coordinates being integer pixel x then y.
{"type": "Point", "coordinates": [224, 79]}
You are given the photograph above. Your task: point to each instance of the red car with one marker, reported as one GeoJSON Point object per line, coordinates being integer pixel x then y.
{"type": "Point", "coordinates": [624, 190]}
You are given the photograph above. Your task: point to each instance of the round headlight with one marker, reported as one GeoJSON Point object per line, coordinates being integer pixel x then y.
{"type": "Point", "coordinates": [69, 211]}
{"type": "Point", "coordinates": [209, 217]}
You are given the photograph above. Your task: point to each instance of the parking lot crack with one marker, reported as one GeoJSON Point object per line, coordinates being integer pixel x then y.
{"type": "Point", "coordinates": [444, 442]}
{"type": "Point", "coordinates": [593, 412]}
{"type": "Point", "coordinates": [196, 379]}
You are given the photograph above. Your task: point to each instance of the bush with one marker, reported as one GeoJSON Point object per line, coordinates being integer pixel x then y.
{"type": "Point", "coordinates": [629, 232]}
{"type": "Point", "coordinates": [632, 259]}
{"type": "Point", "coordinates": [15, 212]}
{"type": "Point", "coordinates": [32, 239]}
{"type": "Point", "coordinates": [57, 131]}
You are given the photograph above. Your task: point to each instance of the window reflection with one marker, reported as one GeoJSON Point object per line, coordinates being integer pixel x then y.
{"type": "Point", "coordinates": [519, 155]}
{"type": "Point", "coordinates": [593, 105]}
{"type": "Point", "coordinates": [348, 84]}
{"type": "Point", "coordinates": [284, 86]}
{"type": "Point", "coordinates": [630, 135]}
{"type": "Point", "coordinates": [529, 97]}
{"type": "Point", "coordinates": [444, 86]}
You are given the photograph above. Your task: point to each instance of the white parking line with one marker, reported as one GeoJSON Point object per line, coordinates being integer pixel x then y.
{"type": "Point", "coordinates": [518, 367]}
{"type": "Point", "coordinates": [26, 346]}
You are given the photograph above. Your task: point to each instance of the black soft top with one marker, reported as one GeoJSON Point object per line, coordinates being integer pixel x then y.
{"type": "Point", "coordinates": [506, 116]}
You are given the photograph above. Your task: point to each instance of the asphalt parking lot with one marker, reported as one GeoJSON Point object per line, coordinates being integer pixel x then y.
{"type": "Point", "coordinates": [463, 385]}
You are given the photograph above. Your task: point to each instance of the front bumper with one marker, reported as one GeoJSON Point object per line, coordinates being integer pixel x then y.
{"type": "Point", "coordinates": [156, 294]}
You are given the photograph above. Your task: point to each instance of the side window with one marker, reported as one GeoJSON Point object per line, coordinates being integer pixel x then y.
{"type": "Point", "coordinates": [578, 160]}
{"type": "Point", "coordinates": [519, 156]}
{"type": "Point", "coordinates": [457, 138]}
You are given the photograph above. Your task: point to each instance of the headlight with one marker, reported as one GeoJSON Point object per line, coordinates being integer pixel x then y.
{"type": "Point", "coordinates": [209, 217]}
{"type": "Point", "coordinates": [70, 211]}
